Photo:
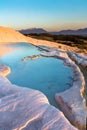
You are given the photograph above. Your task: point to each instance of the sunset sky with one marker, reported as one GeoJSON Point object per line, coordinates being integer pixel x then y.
{"type": "Point", "coordinates": [48, 14]}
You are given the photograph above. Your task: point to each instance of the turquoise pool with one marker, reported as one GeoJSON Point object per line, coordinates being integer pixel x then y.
{"type": "Point", "coordinates": [49, 75]}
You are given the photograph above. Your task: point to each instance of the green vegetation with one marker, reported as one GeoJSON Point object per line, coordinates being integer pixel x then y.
{"type": "Point", "coordinates": [71, 40]}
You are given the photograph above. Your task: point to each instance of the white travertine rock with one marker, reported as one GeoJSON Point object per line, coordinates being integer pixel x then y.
{"type": "Point", "coordinates": [74, 104]}
{"type": "Point", "coordinates": [79, 58]}
{"type": "Point", "coordinates": [26, 109]}
{"type": "Point", "coordinates": [4, 70]}
{"type": "Point", "coordinates": [10, 35]}
{"type": "Point", "coordinates": [71, 101]}
{"type": "Point", "coordinates": [14, 98]}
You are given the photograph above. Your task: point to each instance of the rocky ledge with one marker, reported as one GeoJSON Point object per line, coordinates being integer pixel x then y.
{"type": "Point", "coordinates": [4, 70]}
{"type": "Point", "coordinates": [81, 59]}
{"type": "Point", "coordinates": [26, 109]}
{"type": "Point", "coordinates": [31, 57]}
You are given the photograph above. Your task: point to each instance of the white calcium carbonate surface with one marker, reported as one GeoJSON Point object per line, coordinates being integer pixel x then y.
{"type": "Point", "coordinates": [27, 109]}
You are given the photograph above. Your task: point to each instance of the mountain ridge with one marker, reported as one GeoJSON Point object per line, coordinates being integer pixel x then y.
{"type": "Point", "coordinates": [33, 30]}
{"type": "Point", "coordinates": [82, 31]}
{"type": "Point", "coordinates": [72, 32]}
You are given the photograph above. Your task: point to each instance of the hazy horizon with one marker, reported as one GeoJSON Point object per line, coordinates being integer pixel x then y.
{"type": "Point", "coordinates": [52, 15]}
{"type": "Point", "coordinates": [54, 30]}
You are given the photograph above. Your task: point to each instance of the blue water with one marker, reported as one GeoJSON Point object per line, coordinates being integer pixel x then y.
{"type": "Point", "coordinates": [49, 75]}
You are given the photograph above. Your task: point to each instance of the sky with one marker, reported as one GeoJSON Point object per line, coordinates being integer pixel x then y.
{"type": "Point", "coordinates": [52, 15]}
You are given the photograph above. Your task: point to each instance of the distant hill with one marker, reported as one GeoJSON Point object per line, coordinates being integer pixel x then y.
{"type": "Point", "coordinates": [11, 35]}
{"type": "Point", "coordinates": [82, 32]}
{"type": "Point", "coordinates": [33, 30]}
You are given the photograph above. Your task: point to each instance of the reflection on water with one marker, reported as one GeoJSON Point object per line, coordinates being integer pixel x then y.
{"type": "Point", "coordinates": [48, 75]}
{"type": "Point", "coordinates": [5, 50]}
